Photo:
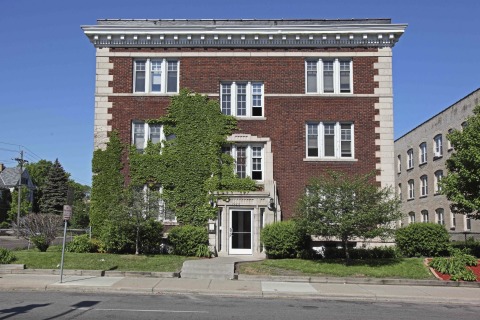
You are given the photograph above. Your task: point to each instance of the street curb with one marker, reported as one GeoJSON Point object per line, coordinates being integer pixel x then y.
{"type": "Point", "coordinates": [372, 281]}
{"type": "Point", "coordinates": [93, 273]}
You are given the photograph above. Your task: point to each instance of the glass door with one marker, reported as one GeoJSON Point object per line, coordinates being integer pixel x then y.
{"type": "Point", "coordinates": [241, 232]}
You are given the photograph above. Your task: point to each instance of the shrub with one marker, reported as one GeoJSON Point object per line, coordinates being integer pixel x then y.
{"type": "Point", "coordinates": [41, 242]}
{"type": "Point", "coordinates": [82, 244]}
{"type": "Point", "coordinates": [117, 238]}
{"type": "Point", "coordinates": [6, 256]}
{"type": "Point", "coordinates": [284, 239]}
{"type": "Point", "coordinates": [186, 239]}
{"type": "Point", "coordinates": [423, 239]}
{"type": "Point", "coordinates": [472, 246]}
{"type": "Point", "coordinates": [363, 253]}
{"type": "Point", "coordinates": [455, 266]}
{"type": "Point", "coordinates": [151, 237]}
{"type": "Point", "coordinates": [203, 251]}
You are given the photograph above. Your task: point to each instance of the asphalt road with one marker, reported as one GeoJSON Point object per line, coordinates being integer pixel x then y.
{"type": "Point", "coordinates": [44, 305]}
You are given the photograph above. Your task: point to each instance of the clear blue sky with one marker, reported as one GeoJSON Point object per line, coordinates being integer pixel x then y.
{"type": "Point", "coordinates": [47, 64]}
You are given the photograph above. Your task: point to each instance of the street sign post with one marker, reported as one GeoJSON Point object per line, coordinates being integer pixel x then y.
{"type": "Point", "coordinates": [67, 214]}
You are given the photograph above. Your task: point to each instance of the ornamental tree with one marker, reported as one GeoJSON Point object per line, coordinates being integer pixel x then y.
{"type": "Point", "coordinates": [348, 207]}
{"type": "Point", "coordinates": [461, 185]}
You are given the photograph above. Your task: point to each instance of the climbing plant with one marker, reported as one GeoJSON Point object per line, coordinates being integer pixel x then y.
{"type": "Point", "coordinates": [107, 183]}
{"type": "Point", "coordinates": [190, 165]}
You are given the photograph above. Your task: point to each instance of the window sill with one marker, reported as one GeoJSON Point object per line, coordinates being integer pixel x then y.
{"type": "Point", "coordinates": [251, 118]}
{"type": "Point", "coordinates": [410, 199]}
{"type": "Point", "coordinates": [329, 160]}
{"type": "Point", "coordinates": [424, 196]}
{"type": "Point", "coordinates": [422, 164]}
{"type": "Point", "coordinates": [154, 94]}
{"type": "Point", "coordinates": [329, 94]}
{"type": "Point", "coordinates": [437, 157]}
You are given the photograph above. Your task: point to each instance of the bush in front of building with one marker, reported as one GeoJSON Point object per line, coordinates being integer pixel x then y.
{"type": "Point", "coordinates": [284, 239]}
{"type": "Point", "coordinates": [362, 253]}
{"type": "Point", "coordinates": [471, 246]}
{"type": "Point", "coordinates": [423, 239]}
{"type": "Point", "coordinates": [82, 244]}
{"type": "Point", "coordinates": [186, 240]}
{"type": "Point", "coordinates": [6, 256]}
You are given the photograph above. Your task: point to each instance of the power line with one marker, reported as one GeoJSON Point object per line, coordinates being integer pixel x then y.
{"type": "Point", "coordinates": [4, 149]}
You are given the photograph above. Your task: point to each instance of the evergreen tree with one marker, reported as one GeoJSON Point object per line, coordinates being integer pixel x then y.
{"type": "Point", "coordinates": [39, 172]}
{"type": "Point", "coordinates": [55, 190]}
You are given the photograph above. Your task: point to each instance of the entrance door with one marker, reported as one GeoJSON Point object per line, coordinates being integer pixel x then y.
{"type": "Point", "coordinates": [241, 232]}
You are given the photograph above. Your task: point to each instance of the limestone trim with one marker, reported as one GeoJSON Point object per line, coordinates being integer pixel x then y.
{"type": "Point", "coordinates": [102, 105]}
{"type": "Point", "coordinates": [243, 54]}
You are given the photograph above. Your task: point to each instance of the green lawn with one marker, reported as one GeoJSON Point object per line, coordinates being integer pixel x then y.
{"type": "Point", "coordinates": [34, 259]}
{"type": "Point", "coordinates": [405, 268]}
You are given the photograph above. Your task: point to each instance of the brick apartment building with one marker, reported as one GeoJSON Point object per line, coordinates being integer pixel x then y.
{"type": "Point", "coordinates": [309, 95]}
{"type": "Point", "coordinates": [421, 156]}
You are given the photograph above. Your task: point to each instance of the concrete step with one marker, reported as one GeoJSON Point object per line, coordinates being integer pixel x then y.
{"type": "Point", "coordinates": [207, 269]}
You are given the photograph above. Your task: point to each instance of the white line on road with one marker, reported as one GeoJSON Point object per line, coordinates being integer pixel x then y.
{"type": "Point", "coordinates": [139, 310]}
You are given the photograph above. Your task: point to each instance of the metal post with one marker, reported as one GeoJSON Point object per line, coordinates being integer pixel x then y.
{"type": "Point", "coordinates": [63, 251]}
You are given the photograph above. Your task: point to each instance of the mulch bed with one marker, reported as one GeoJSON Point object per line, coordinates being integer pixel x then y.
{"type": "Point", "coordinates": [446, 277]}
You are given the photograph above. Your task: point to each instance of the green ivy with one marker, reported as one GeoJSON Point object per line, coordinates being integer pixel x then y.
{"type": "Point", "coordinates": [191, 166]}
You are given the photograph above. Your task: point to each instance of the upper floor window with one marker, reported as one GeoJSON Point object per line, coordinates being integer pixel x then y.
{"type": "Point", "coordinates": [423, 186]}
{"type": "Point", "coordinates": [249, 160]}
{"type": "Point", "coordinates": [410, 159]}
{"type": "Point", "coordinates": [449, 143]}
{"type": "Point", "coordinates": [453, 221]}
{"type": "Point", "coordinates": [400, 191]}
{"type": "Point", "coordinates": [328, 76]}
{"type": "Point", "coordinates": [242, 99]}
{"type": "Point", "coordinates": [440, 216]}
{"type": "Point", "coordinates": [156, 76]}
{"type": "Point", "coordinates": [425, 216]}
{"type": "Point", "coordinates": [411, 189]}
{"type": "Point", "coordinates": [399, 163]}
{"type": "Point", "coordinates": [438, 178]}
{"type": "Point", "coordinates": [437, 146]}
{"type": "Point", "coordinates": [329, 140]}
{"type": "Point", "coordinates": [143, 132]}
{"type": "Point", "coordinates": [423, 152]}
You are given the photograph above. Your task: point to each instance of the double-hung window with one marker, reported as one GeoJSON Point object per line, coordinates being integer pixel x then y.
{"type": "Point", "coordinates": [410, 159]}
{"type": "Point", "coordinates": [425, 216]}
{"type": "Point", "coordinates": [330, 140]}
{"type": "Point", "coordinates": [249, 160]}
{"type": "Point", "coordinates": [242, 99]}
{"type": "Point", "coordinates": [440, 216]}
{"type": "Point", "coordinates": [155, 76]}
{"type": "Point", "coordinates": [411, 217]}
{"type": "Point", "coordinates": [423, 186]}
{"type": "Point", "coordinates": [399, 163]}
{"type": "Point", "coordinates": [438, 178]}
{"type": "Point", "coordinates": [437, 146]}
{"type": "Point", "coordinates": [328, 76]}
{"type": "Point", "coordinates": [143, 132]}
{"type": "Point", "coordinates": [423, 152]}
{"type": "Point", "coordinates": [411, 189]}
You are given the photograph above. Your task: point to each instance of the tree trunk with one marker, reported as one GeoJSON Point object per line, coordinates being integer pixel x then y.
{"type": "Point", "coordinates": [347, 253]}
{"type": "Point", "coordinates": [137, 241]}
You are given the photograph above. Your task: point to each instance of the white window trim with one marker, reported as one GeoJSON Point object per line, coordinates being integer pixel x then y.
{"type": "Point", "coordinates": [249, 156]}
{"type": "Point", "coordinates": [465, 225]}
{"type": "Point", "coordinates": [425, 217]}
{"type": "Point", "coordinates": [410, 162]}
{"type": "Point", "coordinates": [233, 98]}
{"type": "Point", "coordinates": [440, 213]}
{"type": "Point", "coordinates": [438, 177]}
{"type": "Point", "coordinates": [423, 186]}
{"type": "Point", "coordinates": [423, 155]}
{"type": "Point", "coordinates": [453, 221]}
{"type": "Point", "coordinates": [411, 189]}
{"type": "Point", "coordinates": [438, 146]}
{"type": "Point", "coordinates": [148, 79]}
{"type": "Point", "coordinates": [337, 142]}
{"type": "Point", "coordinates": [411, 217]}
{"type": "Point", "coordinates": [336, 76]}
{"type": "Point", "coordinates": [146, 132]}
{"type": "Point", "coordinates": [399, 164]}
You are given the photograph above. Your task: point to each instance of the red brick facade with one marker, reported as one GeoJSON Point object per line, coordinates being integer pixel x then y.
{"type": "Point", "coordinates": [285, 116]}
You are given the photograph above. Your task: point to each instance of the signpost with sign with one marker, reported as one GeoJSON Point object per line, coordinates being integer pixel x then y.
{"type": "Point", "coordinates": [67, 214]}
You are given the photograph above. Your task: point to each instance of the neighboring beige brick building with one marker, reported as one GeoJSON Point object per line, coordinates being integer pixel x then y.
{"type": "Point", "coordinates": [420, 163]}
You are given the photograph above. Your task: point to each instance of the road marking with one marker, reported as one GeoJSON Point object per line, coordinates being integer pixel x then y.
{"type": "Point", "coordinates": [140, 310]}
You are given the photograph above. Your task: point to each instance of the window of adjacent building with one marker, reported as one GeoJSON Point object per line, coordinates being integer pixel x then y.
{"type": "Point", "coordinates": [330, 140]}
{"type": "Point", "coordinates": [423, 186]}
{"type": "Point", "coordinates": [464, 124]}
{"type": "Point", "coordinates": [399, 163]}
{"type": "Point", "coordinates": [423, 152]}
{"type": "Point", "coordinates": [438, 178]}
{"type": "Point", "coordinates": [438, 146]}
{"type": "Point", "coordinates": [440, 217]}
{"type": "Point", "coordinates": [424, 216]}
{"type": "Point", "coordinates": [411, 189]}
{"type": "Point", "coordinates": [242, 99]}
{"type": "Point", "coordinates": [411, 217]}
{"type": "Point", "coordinates": [410, 159]}
{"type": "Point", "coordinates": [468, 223]}
{"type": "Point", "coordinates": [453, 221]}
{"type": "Point", "coordinates": [400, 191]}
{"type": "Point", "coordinates": [156, 76]}
{"type": "Point", "coordinates": [449, 143]}
{"type": "Point", "coordinates": [249, 160]}
{"type": "Point", "coordinates": [328, 76]}
{"type": "Point", "coordinates": [143, 132]}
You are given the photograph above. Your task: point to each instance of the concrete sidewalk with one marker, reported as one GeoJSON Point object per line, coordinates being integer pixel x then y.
{"type": "Point", "coordinates": [256, 287]}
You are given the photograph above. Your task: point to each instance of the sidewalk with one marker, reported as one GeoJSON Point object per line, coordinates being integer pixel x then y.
{"type": "Point", "coordinates": [322, 288]}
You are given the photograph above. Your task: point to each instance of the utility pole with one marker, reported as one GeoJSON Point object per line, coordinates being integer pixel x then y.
{"type": "Point", "coordinates": [20, 161]}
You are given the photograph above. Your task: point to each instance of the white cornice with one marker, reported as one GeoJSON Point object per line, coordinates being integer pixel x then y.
{"type": "Point", "coordinates": [305, 35]}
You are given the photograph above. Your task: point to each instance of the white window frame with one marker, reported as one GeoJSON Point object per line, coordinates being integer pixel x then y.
{"type": "Point", "coordinates": [337, 132]}
{"type": "Point", "coordinates": [400, 195]}
{"type": "Point", "coordinates": [440, 216]}
{"type": "Point", "coordinates": [422, 151]}
{"type": "Point", "coordinates": [411, 189]}
{"type": "Point", "coordinates": [438, 178]}
{"type": "Point", "coordinates": [425, 217]}
{"type": "Point", "coordinates": [410, 162]}
{"type": "Point", "coordinates": [467, 223]}
{"type": "Point", "coordinates": [424, 186]}
{"type": "Point", "coordinates": [164, 69]}
{"type": "Point", "coordinates": [147, 132]}
{"type": "Point", "coordinates": [399, 164]}
{"type": "Point", "coordinates": [449, 143]}
{"type": "Point", "coordinates": [234, 98]}
{"type": "Point", "coordinates": [453, 220]}
{"type": "Point", "coordinates": [319, 84]}
{"type": "Point", "coordinates": [438, 146]}
{"type": "Point", "coordinates": [411, 217]}
{"type": "Point", "coordinates": [249, 166]}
